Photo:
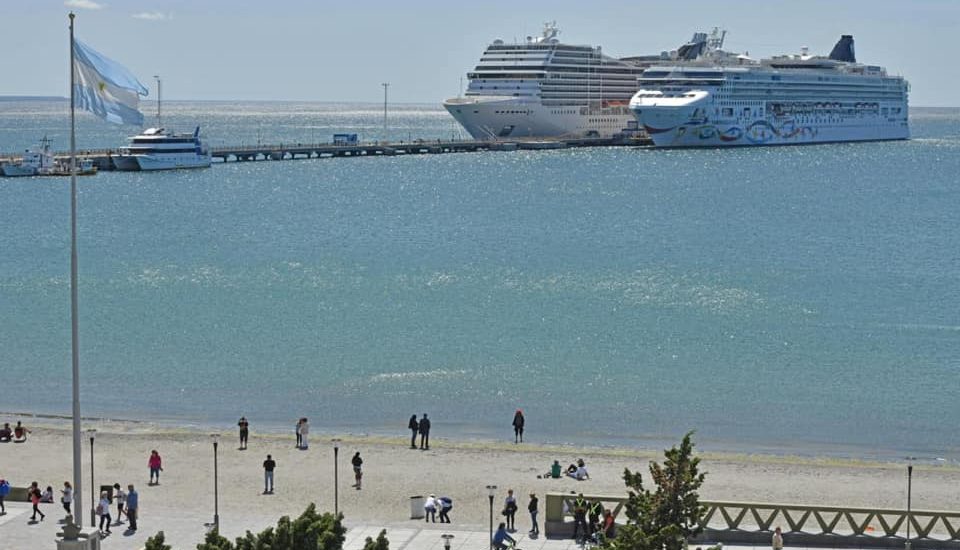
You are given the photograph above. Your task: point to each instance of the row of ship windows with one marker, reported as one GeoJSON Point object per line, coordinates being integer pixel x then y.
{"type": "Point", "coordinates": [527, 112]}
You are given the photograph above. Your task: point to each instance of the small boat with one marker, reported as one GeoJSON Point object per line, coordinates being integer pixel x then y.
{"type": "Point", "coordinates": [35, 162]}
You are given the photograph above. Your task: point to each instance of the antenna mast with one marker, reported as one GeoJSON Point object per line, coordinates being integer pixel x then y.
{"type": "Point", "coordinates": [159, 91]}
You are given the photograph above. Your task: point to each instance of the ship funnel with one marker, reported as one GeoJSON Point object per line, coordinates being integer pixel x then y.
{"type": "Point", "coordinates": [843, 51]}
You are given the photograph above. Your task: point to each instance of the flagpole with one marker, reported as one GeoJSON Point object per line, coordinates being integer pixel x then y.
{"type": "Point", "coordinates": [74, 299]}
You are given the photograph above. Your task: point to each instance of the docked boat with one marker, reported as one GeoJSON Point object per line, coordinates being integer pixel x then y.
{"type": "Point", "coordinates": [35, 161]}
{"type": "Point", "coordinates": [709, 97]}
{"type": "Point", "coordinates": [42, 162]}
{"type": "Point", "coordinates": [546, 88]}
{"type": "Point", "coordinates": [155, 149]}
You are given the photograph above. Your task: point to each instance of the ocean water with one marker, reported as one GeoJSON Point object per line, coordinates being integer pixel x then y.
{"type": "Point", "coordinates": [788, 300]}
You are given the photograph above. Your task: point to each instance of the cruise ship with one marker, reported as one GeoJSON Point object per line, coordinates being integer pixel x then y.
{"type": "Point", "coordinates": [155, 149]}
{"type": "Point", "coordinates": [545, 88]}
{"type": "Point", "coordinates": [709, 97]}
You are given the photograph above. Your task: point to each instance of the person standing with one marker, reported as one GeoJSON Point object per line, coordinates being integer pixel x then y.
{"type": "Point", "coordinates": [430, 509]}
{"type": "Point", "coordinates": [304, 432]}
{"type": "Point", "coordinates": [445, 504]}
{"type": "Point", "coordinates": [155, 463]}
{"type": "Point", "coordinates": [414, 428]}
{"type": "Point", "coordinates": [777, 539]}
{"type": "Point", "coordinates": [518, 422]}
{"type": "Point", "coordinates": [103, 510]}
{"type": "Point", "coordinates": [4, 491]}
{"type": "Point", "coordinates": [66, 496]}
{"type": "Point", "coordinates": [121, 499]}
{"type": "Point", "coordinates": [133, 506]}
{"type": "Point", "coordinates": [244, 432]}
{"type": "Point", "coordinates": [533, 508]}
{"type": "Point", "coordinates": [34, 493]}
{"type": "Point", "coordinates": [357, 469]}
{"type": "Point", "coordinates": [579, 517]}
{"type": "Point", "coordinates": [268, 466]}
{"type": "Point", "coordinates": [510, 510]}
{"type": "Point", "coordinates": [425, 432]}
{"type": "Point", "coordinates": [299, 437]}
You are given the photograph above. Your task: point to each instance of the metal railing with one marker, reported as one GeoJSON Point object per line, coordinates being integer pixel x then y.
{"type": "Point", "coordinates": [753, 522]}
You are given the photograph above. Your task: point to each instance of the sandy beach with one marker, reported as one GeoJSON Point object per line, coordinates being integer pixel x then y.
{"type": "Point", "coordinates": [393, 472]}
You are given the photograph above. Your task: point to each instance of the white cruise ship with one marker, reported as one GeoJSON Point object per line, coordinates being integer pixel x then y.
{"type": "Point", "coordinates": [709, 97]}
{"type": "Point", "coordinates": [155, 149]}
{"type": "Point", "coordinates": [544, 88]}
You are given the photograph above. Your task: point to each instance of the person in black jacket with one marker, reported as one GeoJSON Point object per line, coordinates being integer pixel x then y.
{"type": "Point", "coordinates": [518, 422]}
{"type": "Point", "coordinates": [533, 508]}
{"type": "Point", "coordinates": [425, 433]}
{"type": "Point", "coordinates": [357, 469]}
{"type": "Point", "coordinates": [414, 427]}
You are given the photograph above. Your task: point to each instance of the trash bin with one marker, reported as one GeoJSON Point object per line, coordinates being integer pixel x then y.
{"type": "Point", "coordinates": [416, 507]}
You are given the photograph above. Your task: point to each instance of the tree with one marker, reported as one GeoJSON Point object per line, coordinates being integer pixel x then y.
{"type": "Point", "coordinates": [663, 519]}
{"type": "Point", "coordinates": [380, 544]}
{"type": "Point", "coordinates": [157, 542]}
{"type": "Point", "coordinates": [310, 531]}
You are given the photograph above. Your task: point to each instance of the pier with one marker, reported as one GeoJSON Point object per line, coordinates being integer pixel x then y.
{"type": "Point", "coordinates": [103, 158]}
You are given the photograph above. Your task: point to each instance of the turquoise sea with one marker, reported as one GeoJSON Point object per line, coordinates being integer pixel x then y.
{"type": "Point", "coordinates": [789, 300]}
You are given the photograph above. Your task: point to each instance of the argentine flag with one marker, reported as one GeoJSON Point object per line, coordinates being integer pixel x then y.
{"type": "Point", "coordinates": [105, 88]}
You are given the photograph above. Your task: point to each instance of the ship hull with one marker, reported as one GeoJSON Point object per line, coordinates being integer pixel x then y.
{"type": "Point", "coordinates": [498, 118]}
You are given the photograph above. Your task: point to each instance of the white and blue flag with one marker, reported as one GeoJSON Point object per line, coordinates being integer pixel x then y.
{"type": "Point", "coordinates": [106, 88]}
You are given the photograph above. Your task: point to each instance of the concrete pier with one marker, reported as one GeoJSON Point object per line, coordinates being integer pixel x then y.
{"type": "Point", "coordinates": [103, 158]}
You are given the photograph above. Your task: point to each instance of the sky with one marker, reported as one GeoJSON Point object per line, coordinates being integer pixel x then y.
{"type": "Point", "coordinates": [319, 50]}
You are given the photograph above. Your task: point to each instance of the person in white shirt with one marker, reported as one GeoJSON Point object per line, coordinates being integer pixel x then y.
{"type": "Point", "coordinates": [121, 498]}
{"type": "Point", "coordinates": [304, 431]}
{"type": "Point", "coordinates": [777, 539]}
{"type": "Point", "coordinates": [430, 509]}
{"type": "Point", "coordinates": [67, 498]}
{"type": "Point", "coordinates": [103, 510]}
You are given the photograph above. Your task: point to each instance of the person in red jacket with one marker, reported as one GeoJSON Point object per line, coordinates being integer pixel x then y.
{"type": "Point", "coordinates": [156, 466]}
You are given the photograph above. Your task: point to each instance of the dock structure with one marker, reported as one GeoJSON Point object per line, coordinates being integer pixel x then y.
{"type": "Point", "coordinates": [103, 158]}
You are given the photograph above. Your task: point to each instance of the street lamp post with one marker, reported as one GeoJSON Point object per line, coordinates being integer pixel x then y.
{"type": "Point", "coordinates": [93, 493]}
{"type": "Point", "coordinates": [490, 492]}
{"type": "Point", "coordinates": [909, 491]}
{"type": "Point", "coordinates": [385, 86]}
{"type": "Point", "coordinates": [216, 483]}
{"type": "Point", "coordinates": [446, 540]}
{"type": "Point", "coordinates": [336, 477]}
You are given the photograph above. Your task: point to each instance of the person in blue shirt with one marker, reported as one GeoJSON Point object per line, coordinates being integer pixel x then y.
{"type": "Point", "coordinates": [500, 536]}
{"type": "Point", "coordinates": [133, 506]}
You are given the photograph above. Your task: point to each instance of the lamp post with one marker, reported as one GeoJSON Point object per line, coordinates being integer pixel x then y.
{"type": "Point", "coordinates": [385, 86]}
{"type": "Point", "coordinates": [490, 491]}
{"type": "Point", "coordinates": [910, 460]}
{"type": "Point", "coordinates": [216, 483]}
{"type": "Point", "coordinates": [446, 540]}
{"type": "Point", "coordinates": [93, 493]}
{"type": "Point", "coordinates": [336, 477]}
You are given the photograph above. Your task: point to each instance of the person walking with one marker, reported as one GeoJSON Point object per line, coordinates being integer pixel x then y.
{"type": "Point", "coordinates": [357, 469]}
{"type": "Point", "coordinates": [66, 496]}
{"type": "Point", "coordinates": [425, 432]}
{"type": "Point", "coordinates": [445, 504]}
{"type": "Point", "coordinates": [414, 428]}
{"type": "Point", "coordinates": [304, 432]}
{"type": "Point", "coordinates": [155, 463]}
{"type": "Point", "coordinates": [268, 466]}
{"type": "Point", "coordinates": [299, 437]}
{"type": "Point", "coordinates": [121, 498]}
{"type": "Point", "coordinates": [533, 508]}
{"type": "Point", "coordinates": [103, 510]}
{"type": "Point", "coordinates": [510, 510]}
{"type": "Point", "coordinates": [777, 539]}
{"type": "Point", "coordinates": [430, 509]}
{"type": "Point", "coordinates": [4, 491]}
{"type": "Point", "coordinates": [244, 432]}
{"type": "Point", "coordinates": [518, 422]}
{"type": "Point", "coordinates": [133, 506]}
{"type": "Point", "coordinates": [34, 494]}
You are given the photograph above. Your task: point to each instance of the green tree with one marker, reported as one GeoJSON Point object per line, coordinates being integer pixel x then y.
{"type": "Point", "coordinates": [663, 519]}
{"type": "Point", "coordinates": [213, 541]}
{"type": "Point", "coordinates": [380, 544]}
{"type": "Point", "coordinates": [310, 531]}
{"type": "Point", "coordinates": [157, 542]}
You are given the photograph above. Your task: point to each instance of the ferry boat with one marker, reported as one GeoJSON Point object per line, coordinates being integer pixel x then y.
{"type": "Point", "coordinates": [709, 97]}
{"type": "Point", "coordinates": [545, 88]}
{"type": "Point", "coordinates": [155, 149]}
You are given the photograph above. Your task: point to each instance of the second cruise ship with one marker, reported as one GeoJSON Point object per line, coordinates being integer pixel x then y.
{"type": "Point", "coordinates": [709, 97]}
{"type": "Point", "coordinates": [545, 88]}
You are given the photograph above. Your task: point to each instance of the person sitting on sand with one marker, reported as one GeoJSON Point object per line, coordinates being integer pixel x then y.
{"type": "Point", "coordinates": [6, 434]}
{"type": "Point", "coordinates": [46, 496]}
{"type": "Point", "coordinates": [555, 470]}
{"type": "Point", "coordinates": [579, 472]}
{"type": "Point", "coordinates": [20, 433]}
